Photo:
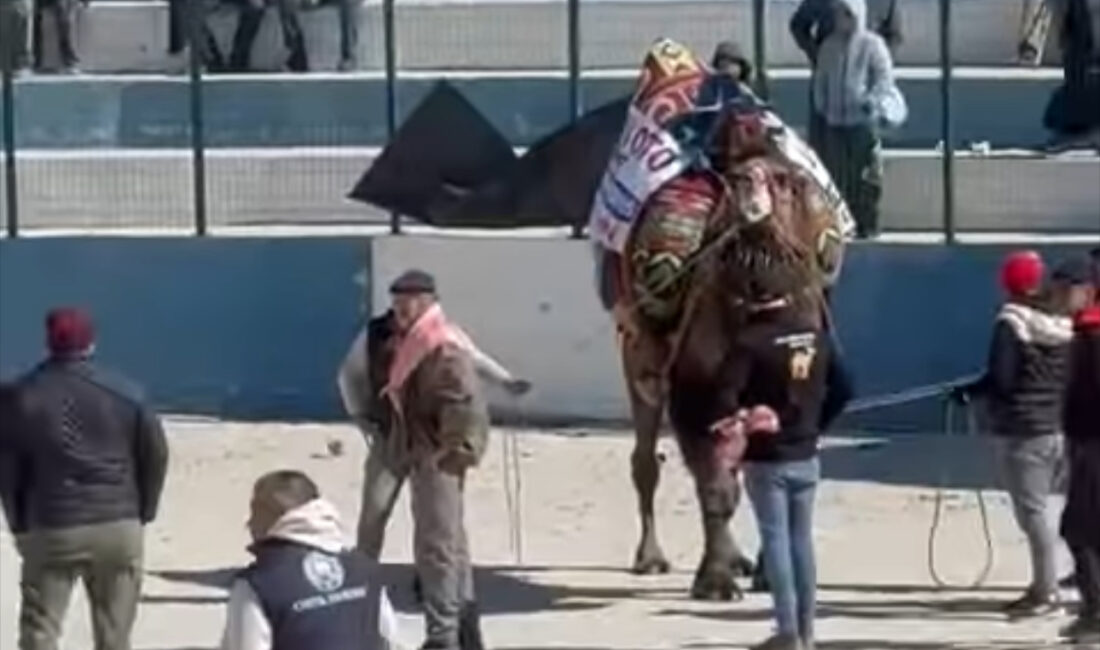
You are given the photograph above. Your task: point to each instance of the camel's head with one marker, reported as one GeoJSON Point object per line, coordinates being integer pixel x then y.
{"type": "Point", "coordinates": [773, 214]}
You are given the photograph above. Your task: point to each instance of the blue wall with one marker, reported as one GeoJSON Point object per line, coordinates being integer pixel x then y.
{"type": "Point", "coordinates": [326, 111]}
{"type": "Point", "coordinates": [249, 328]}
{"type": "Point", "coordinates": [255, 328]}
{"type": "Point", "coordinates": [912, 315]}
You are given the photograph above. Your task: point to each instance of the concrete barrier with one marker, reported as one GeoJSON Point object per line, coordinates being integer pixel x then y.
{"type": "Point", "coordinates": [1004, 107]}
{"type": "Point", "coordinates": [255, 328]}
{"type": "Point", "coordinates": [132, 36]}
{"type": "Point", "coordinates": [152, 188]}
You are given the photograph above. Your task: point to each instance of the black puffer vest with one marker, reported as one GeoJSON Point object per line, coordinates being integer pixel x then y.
{"type": "Point", "coordinates": [315, 600]}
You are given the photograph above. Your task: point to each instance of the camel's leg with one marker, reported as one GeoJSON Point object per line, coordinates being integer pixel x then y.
{"type": "Point", "coordinates": [743, 567]}
{"type": "Point", "coordinates": [717, 493]}
{"type": "Point", "coordinates": [645, 468]}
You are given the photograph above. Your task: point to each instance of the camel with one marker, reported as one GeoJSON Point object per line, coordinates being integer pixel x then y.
{"type": "Point", "coordinates": [755, 196]}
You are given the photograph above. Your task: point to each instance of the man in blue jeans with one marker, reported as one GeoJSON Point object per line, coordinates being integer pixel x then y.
{"type": "Point", "coordinates": [784, 389]}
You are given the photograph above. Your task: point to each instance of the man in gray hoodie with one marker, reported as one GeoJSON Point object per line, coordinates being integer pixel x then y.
{"type": "Point", "coordinates": [852, 89]}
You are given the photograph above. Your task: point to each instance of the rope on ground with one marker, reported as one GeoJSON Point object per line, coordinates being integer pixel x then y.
{"type": "Point", "coordinates": [513, 483]}
{"type": "Point", "coordinates": [938, 508]}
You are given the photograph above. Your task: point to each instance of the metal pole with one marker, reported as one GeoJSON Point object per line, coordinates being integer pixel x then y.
{"type": "Point", "coordinates": [760, 46]}
{"type": "Point", "coordinates": [389, 37]}
{"type": "Point", "coordinates": [948, 125]}
{"type": "Point", "coordinates": [198, 138]}
{"type": "Point", "coordinates": [576, 106]}
{"type": "Point", "coordinates": [8, 104]}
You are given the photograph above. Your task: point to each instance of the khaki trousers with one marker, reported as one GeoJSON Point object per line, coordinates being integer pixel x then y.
{"type": "Point", "coordinates": [106, 557]}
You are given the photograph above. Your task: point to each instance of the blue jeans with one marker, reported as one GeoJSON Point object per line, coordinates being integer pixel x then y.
{"type": "Point", "coordinates": [782, 496]}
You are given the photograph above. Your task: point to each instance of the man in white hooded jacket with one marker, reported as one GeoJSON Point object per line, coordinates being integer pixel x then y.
{"type": "Point", "coordinates": [306, 590]}
{"type": "Point", "coordinates": [854, 93]}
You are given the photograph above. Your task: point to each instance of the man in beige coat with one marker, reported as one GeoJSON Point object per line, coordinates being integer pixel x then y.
{"type": "Point", "coordinates": [409, 381]}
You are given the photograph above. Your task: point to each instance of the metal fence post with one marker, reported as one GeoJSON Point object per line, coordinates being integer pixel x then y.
{"type": "Point", "coordinates": [389, 37]}
{"type": "Point", "coordinates": [948, 125]}
{"type": "Point", "coordinates": [7, 102]}
{"type": "Point", "coordinates": [760, 46]}
{"type": "Point", "coordinates": [198, 137]}
{"type": "Point", "coordinates": [576, 102]}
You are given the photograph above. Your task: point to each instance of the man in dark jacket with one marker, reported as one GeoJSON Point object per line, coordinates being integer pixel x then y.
{"type": "Point", "coordinates": [1080, 419]}
{"type": "Point", "coordinates": [307, 589]}
{"type": "Point", "coordinates": [1023, 390]}
{"type": "Point", "coordinates": [84, 463]}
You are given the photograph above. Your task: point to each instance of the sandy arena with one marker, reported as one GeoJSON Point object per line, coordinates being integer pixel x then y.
{"type": "Point", "coordinates": [572, 591]}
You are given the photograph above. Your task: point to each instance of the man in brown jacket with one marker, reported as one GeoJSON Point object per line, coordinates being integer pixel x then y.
{"type": "Point", "coordinates": [437, 429]}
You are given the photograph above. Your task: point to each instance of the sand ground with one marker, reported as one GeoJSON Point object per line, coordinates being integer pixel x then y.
{"type": "Point", "coordinates": [571, 590]}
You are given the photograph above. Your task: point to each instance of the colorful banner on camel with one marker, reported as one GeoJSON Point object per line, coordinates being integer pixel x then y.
{"type": "Point", "coordinates": [647, 154]}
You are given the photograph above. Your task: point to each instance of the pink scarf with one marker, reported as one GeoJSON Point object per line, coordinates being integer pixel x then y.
{"type": "Point", "coordinates": [431, 331]}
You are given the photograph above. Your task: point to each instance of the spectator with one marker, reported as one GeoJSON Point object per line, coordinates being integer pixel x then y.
{"type": "Point", "coordinates": [853, 92]}
{"type": "Point", "coordinates": [84, 464]}
{"type": "Point", "coordinates": [1082, 412]}
{"type": "Point", "coordinates": [729, 58]}
{"type": "Point", "coordinates": [813, 22]}
{"type": "Point", "coordinates": [63, 12]}
{"type": "Point", "coordinates": [179, 35]}
{"type": "Point", "coordinates": [248, 26]}
{"type": "Point", "coordinates": [349, 32]}
{"type": "Point", "coordinates": [1023, 386]}
{"type": "Point", "coordinates": [305, 589]}
{"type": "Point", "coordinates": [1073, 113]}
{"type": "Point", "coordinates": [13, 35]}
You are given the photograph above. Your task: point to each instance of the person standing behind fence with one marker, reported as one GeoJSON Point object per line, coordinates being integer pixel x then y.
{"type": "Point", "coordinates": [1023, 388]}
{"type": "Point", "coordinates": [248, 27]}
{"type": "Point", "coordinates": [14, 37]}
{"type": "Point", "coordinates": [854, 92]}
{"type": "Point", "coordinates": [84, 462]}
{"type": "Point", "coordinates": [63, 13]}
{"type": "Point", "coordinates": [1082, 413]}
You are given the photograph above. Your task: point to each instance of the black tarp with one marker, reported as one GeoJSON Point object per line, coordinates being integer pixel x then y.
{"type": "Point", "coordinates": [447, 166]}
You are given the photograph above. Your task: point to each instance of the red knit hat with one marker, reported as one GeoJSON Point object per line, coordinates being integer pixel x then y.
{"type": "Point", "coordinates": [69, 331]}
{"type": "Point", "coordinates": [1022, 273]}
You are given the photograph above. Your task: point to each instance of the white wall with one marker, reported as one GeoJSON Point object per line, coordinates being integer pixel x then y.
{"type": "Point", "coordinates": [530, 303]}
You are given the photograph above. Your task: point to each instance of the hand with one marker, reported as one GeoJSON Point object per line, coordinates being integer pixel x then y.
{"type": "Point", "coordinates": [517, 387]}
{"type": "Point", "coordinates": [762, 419]}
{"type": "Point", "coordinates": [452, 462]}
{"type": "Point", "coordinates": [960, 395]}
{"type": "Point", "coordinates": [732, 426]}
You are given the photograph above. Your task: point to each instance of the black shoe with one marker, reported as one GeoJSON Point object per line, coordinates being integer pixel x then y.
{"type": "Point", "coordinates": [1068, 582]}
{"type": "Point", "coordinates": [1084, 630]}
{"type": "Point", "coordinates": [469, 628]}
{"type": "Point", "coordinates": [437, 645]}
{"type": "Point", "coordinates": [780, 642]}
{"type": "Point", "coordinates": [1033, 606]}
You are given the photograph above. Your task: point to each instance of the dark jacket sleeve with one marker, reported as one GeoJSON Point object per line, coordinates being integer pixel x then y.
{"type": "Point", "coordinates": [1000, 376]}
{"type": "Point", "coordinates": [839, 389]}
{"type": "Point", "coordinates": [1082, 398]}
{"type": "Point", "coordinates": [150, 462]}
{"type": "Point", "coordinates": [805, 24]}
{"type": "Point", "coordinates": [13, 473]}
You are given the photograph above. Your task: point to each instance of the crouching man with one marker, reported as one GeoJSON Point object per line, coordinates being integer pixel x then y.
{"type": "Point", "coordinates": [306, 589]}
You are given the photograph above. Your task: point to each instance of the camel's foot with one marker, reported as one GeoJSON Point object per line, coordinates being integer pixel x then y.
{"type": "Point", "coordinates": [650, 560]}
{"type": "Point", "coordinates": [714, 582]}
{"type": "Point", "coordinates": [743, 567]}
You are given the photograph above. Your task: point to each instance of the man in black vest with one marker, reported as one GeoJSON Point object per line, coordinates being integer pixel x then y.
{"type": "Point", "coordinates": [306, 590]}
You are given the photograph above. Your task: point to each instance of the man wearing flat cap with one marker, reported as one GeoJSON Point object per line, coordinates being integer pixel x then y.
{"type": "Point", "coordinates": [82, 466]}
{"type": "Point", "coordinates": [419, 391]}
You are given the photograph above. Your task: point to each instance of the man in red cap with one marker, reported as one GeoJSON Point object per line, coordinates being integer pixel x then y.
{"type": "Point", "coordinates": [1023, 387]}
{"type": "Point", "coordinates": [83, 464]}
